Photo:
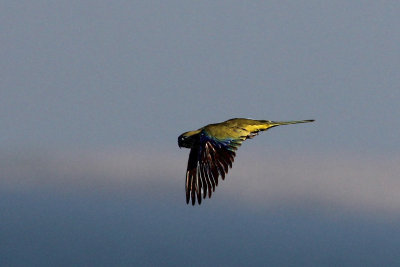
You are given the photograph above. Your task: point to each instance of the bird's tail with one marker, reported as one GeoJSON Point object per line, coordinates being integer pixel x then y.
{"type": "Point", "coordinates": [254, 126]}
{"type": "Point", "coordinates": [277, 123]}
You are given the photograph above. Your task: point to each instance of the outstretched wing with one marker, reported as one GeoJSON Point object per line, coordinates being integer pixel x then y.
{"type": "Point", "coordinates": [207, 161]}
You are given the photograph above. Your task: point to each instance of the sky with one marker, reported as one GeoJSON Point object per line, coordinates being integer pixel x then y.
{"type": "Point", "coordinates": [93, 95]}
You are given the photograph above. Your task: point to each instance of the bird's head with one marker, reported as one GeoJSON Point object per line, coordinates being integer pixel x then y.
{"type": "Point", "coordinates": [188, 139]}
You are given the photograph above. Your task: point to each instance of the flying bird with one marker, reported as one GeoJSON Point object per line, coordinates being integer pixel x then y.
{"type": "Point", "coordinates": [212, 151]}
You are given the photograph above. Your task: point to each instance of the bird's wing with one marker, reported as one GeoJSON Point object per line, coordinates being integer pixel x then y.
{"type": "Point", "coordinates": [210, 159]}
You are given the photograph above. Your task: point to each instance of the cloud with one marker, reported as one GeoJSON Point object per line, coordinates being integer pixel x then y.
{"type": "Point", "coordinates": [356, 182]}
{"type": "Point", "coordinates": [351, 181]}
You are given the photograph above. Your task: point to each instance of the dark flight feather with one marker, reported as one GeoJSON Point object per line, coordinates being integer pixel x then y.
{"type": "Point", "coordinates": [207, 162]}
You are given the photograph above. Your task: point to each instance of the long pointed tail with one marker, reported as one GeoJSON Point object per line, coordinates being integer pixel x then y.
{"type": "Point", "coordinates": [263, 125]}
{"type": "Point", "coordinates": [277, 123]}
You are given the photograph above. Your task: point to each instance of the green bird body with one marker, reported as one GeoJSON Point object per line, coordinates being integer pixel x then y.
{"type": "Point", "coordinates": [213, 150]}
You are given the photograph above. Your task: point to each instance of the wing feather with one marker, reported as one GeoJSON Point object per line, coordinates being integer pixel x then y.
{"type": "Point", "coordinates": [207, 162]}
{"type": "Point", "coordinates": [191, 174]}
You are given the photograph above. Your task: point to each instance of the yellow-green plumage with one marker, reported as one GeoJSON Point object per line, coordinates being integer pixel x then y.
{"type": "Point", "coordinates": [240, 128]}
{"type": "Point", "coordinates": [213, 150]}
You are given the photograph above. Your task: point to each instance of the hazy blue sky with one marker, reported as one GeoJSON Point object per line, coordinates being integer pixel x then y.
{"type": "Point", "coordinates": [93, 95]}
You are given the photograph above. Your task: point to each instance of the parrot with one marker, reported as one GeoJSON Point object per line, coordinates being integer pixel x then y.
{"type": "Point", "coordinates": [212, 151]}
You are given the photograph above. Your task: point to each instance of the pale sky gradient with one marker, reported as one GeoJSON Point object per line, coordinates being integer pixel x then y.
{"type": "Point", "coordinates": [119, 73]}
{"type": "Point", "coordinates": [93, 95]}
